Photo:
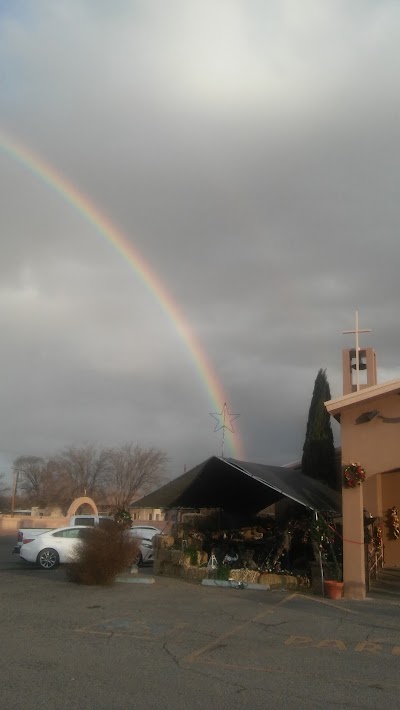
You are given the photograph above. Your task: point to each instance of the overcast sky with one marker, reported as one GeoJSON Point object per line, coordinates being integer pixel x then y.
{"type": "Point", "coordinates": [249, 151]}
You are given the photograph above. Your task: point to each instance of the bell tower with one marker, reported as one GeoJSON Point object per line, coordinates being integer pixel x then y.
{"type": "Point", "coordinates": [359, 364]}
{"type": "Point", "coordinates": [366, 369]}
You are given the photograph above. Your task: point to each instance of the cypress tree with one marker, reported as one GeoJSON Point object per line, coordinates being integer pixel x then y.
{"type": "Point", "coordinates": [319, 459]}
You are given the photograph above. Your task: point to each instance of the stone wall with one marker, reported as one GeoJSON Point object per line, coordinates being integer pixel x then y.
{"type": "Point", "coordinates": [279, 581]}
{"type": "Point", "coordinates": [178, 563]}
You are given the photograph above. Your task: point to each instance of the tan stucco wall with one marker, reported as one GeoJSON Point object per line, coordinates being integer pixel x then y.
{"type": "Point", "coordinates": [376, 446]}
{"type": "Point", "coordinates": [9, 525]}
{"type": "Point", "coordinates": [372, 493]}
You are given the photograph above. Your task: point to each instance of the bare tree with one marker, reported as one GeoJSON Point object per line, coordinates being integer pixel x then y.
{"type": "Point", "coordinates": [84, 469]}
{"type": "Point", "coordinates": [132, 469]}
{"type": "Point", "coordinates": [4, 491]}
{"type": "Point", "coordinates": [117, 474]}
{"type": "Point", "coordinates": [42, 481]}
{"type": "Point", "coordinates": [3, 488]}
{"type": "Point", "coordinates": [28, 471]}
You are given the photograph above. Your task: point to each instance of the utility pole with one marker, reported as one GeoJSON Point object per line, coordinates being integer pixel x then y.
{"type": "Point", "coordinates": [16, 473]}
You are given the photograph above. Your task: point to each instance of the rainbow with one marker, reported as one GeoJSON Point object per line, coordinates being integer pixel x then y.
{"type": "Point", "coordinates": [92, 214]}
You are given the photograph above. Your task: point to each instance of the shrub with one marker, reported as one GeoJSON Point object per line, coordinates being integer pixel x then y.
{"type": "Point", "coordinates": [104, 553]}
{"type": "Point", "coordinates": [123, 517]}
{"type": "Point", "coordinates": [223, 572]}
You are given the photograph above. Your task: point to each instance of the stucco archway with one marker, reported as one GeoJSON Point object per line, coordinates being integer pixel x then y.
{"type": "Point", "coordinates": [76, 504]}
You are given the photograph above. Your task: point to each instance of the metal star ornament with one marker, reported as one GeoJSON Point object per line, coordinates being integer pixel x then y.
{"type": "Point", "coordinates": [222, 418]}
{"type": "Point", "coordinates": [224, 421]}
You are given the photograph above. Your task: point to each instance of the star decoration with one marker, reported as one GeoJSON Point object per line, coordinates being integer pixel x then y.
{"type": "Point", "coordinates": [223, 417]}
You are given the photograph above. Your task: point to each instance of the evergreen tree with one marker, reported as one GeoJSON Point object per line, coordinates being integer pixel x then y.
{"type": "Point", "coordinates": [319, 459]}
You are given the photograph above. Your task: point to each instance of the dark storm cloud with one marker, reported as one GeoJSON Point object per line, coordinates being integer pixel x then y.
{"type": "Point", "coordinates": [248, 152]}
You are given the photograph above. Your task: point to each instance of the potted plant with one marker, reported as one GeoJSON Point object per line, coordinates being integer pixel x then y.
{"type": "Point", "coordinates": [333, 583]}
{"type": "Point", "coordinates": [333, 576]}
{"type": "Point", "coordinates": [327, 546]}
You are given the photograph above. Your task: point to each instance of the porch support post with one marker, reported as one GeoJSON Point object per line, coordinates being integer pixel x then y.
{"type": "Point", "coordinates": [353, 543]}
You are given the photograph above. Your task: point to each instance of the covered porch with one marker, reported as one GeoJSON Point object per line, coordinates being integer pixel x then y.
{"type": "Point", "coordinates": [370, 429]}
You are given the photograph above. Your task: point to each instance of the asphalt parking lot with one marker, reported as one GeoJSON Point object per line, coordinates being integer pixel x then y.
{"type": "Point", "coordinates": [179, 645]}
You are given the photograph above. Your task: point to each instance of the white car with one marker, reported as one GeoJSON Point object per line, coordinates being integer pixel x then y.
{"type": "Point", "coordinates": [49, 549]}
{"type": "Point", "coordinates": [146, 532]}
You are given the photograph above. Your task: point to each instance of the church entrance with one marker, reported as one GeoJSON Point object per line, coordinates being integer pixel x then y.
{"type": "Point", "coordinates": [387, 585]}
{"type": "Point", "coordinates": [390, 508]}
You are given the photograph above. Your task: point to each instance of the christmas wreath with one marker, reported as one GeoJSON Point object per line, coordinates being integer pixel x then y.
{"type": "Point", "coordinates": [354, 475]}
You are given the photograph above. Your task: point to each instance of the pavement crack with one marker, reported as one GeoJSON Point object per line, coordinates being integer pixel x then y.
{"type": "Point", "coordinates": [170, 654]}
{"type": "Point", "coordinates": [241, 689]}
{"type": "Point", "coordinates": [271, 626]}
{"type": "Point", "coordinates": [236, 687]}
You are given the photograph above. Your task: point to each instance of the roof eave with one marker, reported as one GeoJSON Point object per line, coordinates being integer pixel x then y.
{"type": "Point", "coordinates": [335, 406]}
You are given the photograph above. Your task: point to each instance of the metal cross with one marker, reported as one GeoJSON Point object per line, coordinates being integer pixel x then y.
{"type": "Point", "coordinates": [356, 332]}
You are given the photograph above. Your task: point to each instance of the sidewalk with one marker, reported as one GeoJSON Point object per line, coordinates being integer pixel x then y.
{"type": "Point", "coordinates": [387, 585]}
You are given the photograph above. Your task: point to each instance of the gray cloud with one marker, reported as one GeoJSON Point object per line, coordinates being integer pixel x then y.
{"type": "Point", "coordinates": [247, 151]}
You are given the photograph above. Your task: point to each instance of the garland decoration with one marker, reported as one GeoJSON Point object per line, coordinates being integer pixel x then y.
{"type": "Point", "coordinates": [394, 523]}
{"type": "Point", "coordinates": [354, 475]}
{"type": "Point", "coordinates": [377, 538]}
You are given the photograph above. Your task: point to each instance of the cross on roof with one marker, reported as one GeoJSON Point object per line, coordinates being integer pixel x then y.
{"type": "Point", "coordinates": [356, 332]}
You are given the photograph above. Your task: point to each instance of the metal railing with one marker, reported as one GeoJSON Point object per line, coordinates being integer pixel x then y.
{"type": "Point", "coordinates": [374, 559]}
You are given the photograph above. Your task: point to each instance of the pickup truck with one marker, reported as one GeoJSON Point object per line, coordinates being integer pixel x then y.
{"type": "Point", "coordinates": [25, 534]}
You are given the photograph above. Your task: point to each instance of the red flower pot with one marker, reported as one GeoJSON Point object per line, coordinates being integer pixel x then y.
{"type": "Point", "coordinates": [333, 589]}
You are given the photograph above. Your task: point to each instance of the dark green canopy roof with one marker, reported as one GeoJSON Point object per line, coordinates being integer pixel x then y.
{"type": "Point", "coordinates": [240, 486]}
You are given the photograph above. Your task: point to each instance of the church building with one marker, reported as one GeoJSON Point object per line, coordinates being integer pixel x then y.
{"type": "Point", "coordinates": [369, 416]}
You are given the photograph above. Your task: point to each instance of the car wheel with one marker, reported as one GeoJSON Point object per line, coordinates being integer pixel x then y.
{"type": "Point", "coordinates": [48, 558]}
{"type": "Point", "coordinates": [138, 560]}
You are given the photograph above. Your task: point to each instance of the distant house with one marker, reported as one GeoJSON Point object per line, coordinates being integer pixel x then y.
{"type": "Point", "coordinates": [153, 514]}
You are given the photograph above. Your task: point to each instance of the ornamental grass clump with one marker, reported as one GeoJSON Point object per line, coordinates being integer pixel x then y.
{"type": "Point", "coordinates": [104, 553]}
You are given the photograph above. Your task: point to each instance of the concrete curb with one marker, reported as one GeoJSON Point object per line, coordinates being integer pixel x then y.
{"type": "Point", "coordinates": [136, 580]}
{"type": "Point", "coordinates": [235, 584]}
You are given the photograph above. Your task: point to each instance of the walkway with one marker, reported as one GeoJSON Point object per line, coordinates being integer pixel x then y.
{"type": "Point", "coordinates": [388, 584]}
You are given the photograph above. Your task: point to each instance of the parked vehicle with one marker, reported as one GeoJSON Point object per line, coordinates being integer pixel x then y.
{"type": "Point", "coordinates": [54, 547]}
{"type": "Point", "coordinates": [146, 552]}
{"type": "Point", "coordinates": [28, 534]}
{"type": "Point", "coordinates": [147, 532]}
{"type": "Point", "coordinates": [87, 520]}
{"type": "Point", "coordinates": [25, 534]}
